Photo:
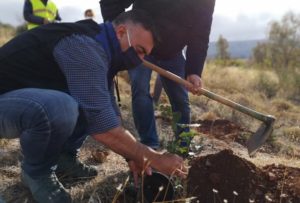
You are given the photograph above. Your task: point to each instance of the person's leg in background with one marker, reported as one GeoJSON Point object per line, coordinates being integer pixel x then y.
{"type": "Point", "coordinates": [142, 106]}
{"type": "Point", "coordinates": [157, 89]}
{"type": "Point", "coordinates": [177, 94]}
{"type": "Point", "coordinates": [43, 120]}
{"type": "Point", "coordinates": [142, 103]}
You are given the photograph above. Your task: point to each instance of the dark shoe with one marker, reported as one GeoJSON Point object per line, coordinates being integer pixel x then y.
{"type": "Point", "coordinates": [69, 166]}
{"type": "Point", "coordinates": [46, 189]}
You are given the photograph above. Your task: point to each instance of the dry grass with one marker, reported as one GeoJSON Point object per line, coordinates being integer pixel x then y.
{"type": "Point", "coordinates": [292, 133]}
{"type": "Point", "coordinates": [255, 89]}
{"type": "Point", "coordinates": [268, 160]}
{"type": "Point", "coordinates": [6, 33]}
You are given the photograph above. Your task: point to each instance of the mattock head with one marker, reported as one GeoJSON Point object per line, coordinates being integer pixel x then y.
{"type": "Point", "coordinates": [261, 135]}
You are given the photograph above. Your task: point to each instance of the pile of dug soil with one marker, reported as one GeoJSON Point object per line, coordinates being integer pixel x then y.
{"type": "Point", "coordinates": [220, 176]}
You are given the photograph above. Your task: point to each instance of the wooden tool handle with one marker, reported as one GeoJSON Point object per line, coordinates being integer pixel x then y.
{"type": "Point", "coordinates": [209, 94]}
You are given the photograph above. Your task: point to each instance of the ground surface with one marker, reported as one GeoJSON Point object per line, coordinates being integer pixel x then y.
{"type": "Point", "coordinates": [224, 175]}
{"type": "Point", "coordinates": [220, 167]}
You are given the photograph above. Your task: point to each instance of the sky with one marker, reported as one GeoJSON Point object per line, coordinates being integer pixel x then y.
{"type": "Point", "coordinates": [233, 19]}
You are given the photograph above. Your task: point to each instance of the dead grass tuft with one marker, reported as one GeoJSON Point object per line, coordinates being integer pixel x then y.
{"type": "Point", "coordinates": [282, 105]}
{"type": "Point", "coordinates": [292, 133]}
{"type": "Point", "coordinates": [3, 143]}
{"type": "Point", "coordinates": [6, 33]}
{"type": "Point", "coordinates": [209, 116]}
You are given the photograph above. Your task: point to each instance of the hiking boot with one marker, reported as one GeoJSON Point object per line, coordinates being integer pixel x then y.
{"type": "Point", "coordinates": [46, 189]}
{"type": "Point", "coordinates": [69, 166]}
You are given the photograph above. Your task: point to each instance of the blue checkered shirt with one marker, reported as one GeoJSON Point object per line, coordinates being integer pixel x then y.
{"type": "Point", "coordinates": [85, 65]}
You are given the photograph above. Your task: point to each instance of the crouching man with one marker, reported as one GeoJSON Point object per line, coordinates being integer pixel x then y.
{"type": "Point", "coordinates": [56, 88]}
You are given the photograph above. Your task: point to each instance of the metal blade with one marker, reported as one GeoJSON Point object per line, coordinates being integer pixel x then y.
{"type": "Point", "coordinates": [259, 138]}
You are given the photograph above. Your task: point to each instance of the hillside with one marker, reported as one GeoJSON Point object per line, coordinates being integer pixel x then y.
{"type": "Point", "coordinates": [237, 49]}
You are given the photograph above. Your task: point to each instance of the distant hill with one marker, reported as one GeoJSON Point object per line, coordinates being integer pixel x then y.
{"type": "Point", "coordinates": [237, 49]}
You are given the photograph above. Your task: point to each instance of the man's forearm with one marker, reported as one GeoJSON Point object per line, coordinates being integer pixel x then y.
{"type": "Point", "coordinates": [122, 142]}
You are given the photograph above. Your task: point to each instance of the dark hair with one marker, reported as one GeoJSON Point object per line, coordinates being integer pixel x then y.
{"type": "Point", "coordinates": [137, 16]}
{"type": "Point", "coordinates": [86, 12]}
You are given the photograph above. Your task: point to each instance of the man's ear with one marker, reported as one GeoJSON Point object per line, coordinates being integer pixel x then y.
{"type": "Point", "coordinates": [120, 31]}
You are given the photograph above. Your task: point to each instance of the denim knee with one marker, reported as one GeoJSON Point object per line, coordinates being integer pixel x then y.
{"type": "Point", "coordinates": [44, 120]}
{"type": "Point", "coordinates": [63, 112]}
{"type": "Point", "coordinates": [31, 108]}
{"type": "Point", "coordinates": [58, 108]}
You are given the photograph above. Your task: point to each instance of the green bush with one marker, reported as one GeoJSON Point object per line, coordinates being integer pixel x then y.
{"type": "Point", "coordinates": [294, 86]}
{"type": "Point", "coordinates": [268, 85]}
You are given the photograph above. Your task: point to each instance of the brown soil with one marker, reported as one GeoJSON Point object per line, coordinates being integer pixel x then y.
{"type": "Point", "coordinates": [222, 129]}
{"type": "Point", "coordinates": [220, 176]}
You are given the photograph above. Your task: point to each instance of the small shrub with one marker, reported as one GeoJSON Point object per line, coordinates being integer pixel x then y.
{"type": "Point", "coordinates": [181, 145]}
{"type": "Point", "coordinates": [292, 133]}
{"type": "Point", "coordinates": [3, 143]}
{"type": "Point", "coordinates": [209, 116]}
{"type": "Point", "coordinates": [272, 138]}
{"type": "Point", "coordinates": [282, 105]}
{"type": "Point", "coordinates": [287, 151]}
{"type": "Point", "coordinates": [293, 86]}
{"type": "Point", "coordinates": [236, 63]}
{"type": "Point", "coordinates": [267, 84]}
{"type": "Point", "coordinates": [166, 111]}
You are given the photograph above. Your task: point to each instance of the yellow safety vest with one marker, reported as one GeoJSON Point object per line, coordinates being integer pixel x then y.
{"type": "Point", "coordinates": [39, 9]}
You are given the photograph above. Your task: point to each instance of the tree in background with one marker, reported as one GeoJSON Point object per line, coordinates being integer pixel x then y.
{"type": "Point", "coordinates": [222, 49]}
{"type": "Point", "coordinates": [284, 41]}
{"type": "Point", "coordinates": [281, 52]}
{"type": "Point", "coordinates": [260, 54]}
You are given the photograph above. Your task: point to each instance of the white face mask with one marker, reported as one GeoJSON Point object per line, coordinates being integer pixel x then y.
{"type": "Point", "coordinates": [130, 57]}
{"type": "Point", "coordinates": [128, 38]}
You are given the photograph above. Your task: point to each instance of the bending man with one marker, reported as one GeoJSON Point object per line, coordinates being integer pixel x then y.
{"type": "Point", "coordinates": [55, 89]}
{"type": "Point", "coordinates": [179, 23]}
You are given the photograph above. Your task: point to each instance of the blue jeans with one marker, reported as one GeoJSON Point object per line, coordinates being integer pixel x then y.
{"type": "Point", "coordinates": [48, 122]}
{"type": "Point", "coordinates": [142, 104]}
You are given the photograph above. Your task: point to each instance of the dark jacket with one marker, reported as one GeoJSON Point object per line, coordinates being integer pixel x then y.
{"type": "Point", "coordinates": [28, 61]}
{"type": "Point", "coordinates": [179, 22]}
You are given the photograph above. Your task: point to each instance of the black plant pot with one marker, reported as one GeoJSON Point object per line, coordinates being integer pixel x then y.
{"type": "Point", "coordinates": [157, 187]}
